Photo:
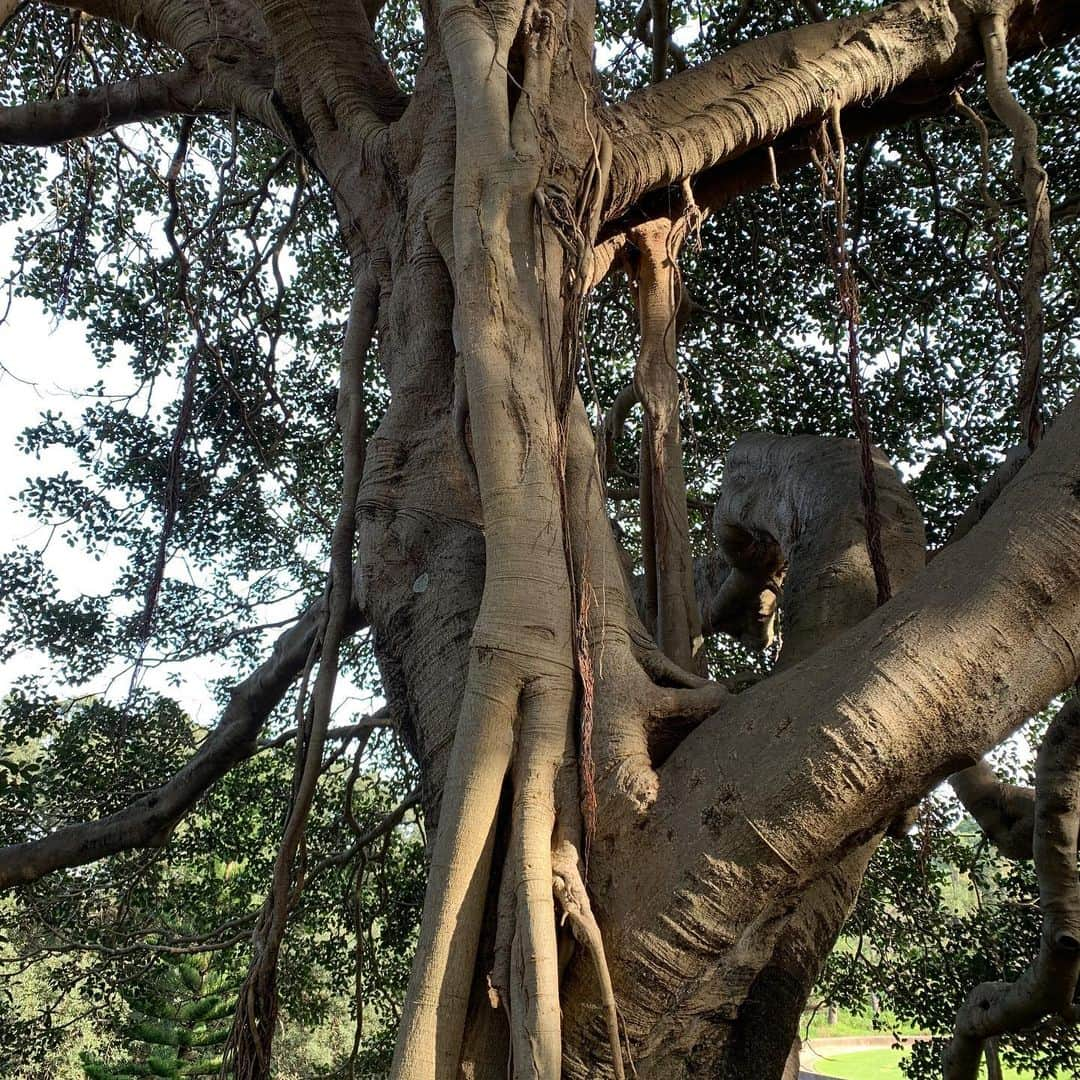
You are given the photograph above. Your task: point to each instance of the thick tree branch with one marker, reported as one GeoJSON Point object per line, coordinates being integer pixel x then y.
{"type": "Point", "coordinates": [149, 821]}
{"type": "Point", "coordinates": [764, 89]}
{"type": "Point", "coordinates": [1002, 476]}
{"type": "Point", "coordinates": [149, 97]}
{"type": "Point", "coordinates": [7, 9]}
{"type": "Point", "coordinates": [1004, 812]}
{"type": "Point", "coordinates": [983, 638]}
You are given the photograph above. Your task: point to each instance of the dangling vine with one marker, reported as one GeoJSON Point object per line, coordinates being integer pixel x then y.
{"type": "Point", "coordinates": [830, 157]}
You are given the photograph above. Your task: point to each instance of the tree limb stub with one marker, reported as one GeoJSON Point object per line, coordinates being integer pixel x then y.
{"type": "Point", "coordinates": [1047, 986]}
{"type": "Point", "coordinates": [790, 514]}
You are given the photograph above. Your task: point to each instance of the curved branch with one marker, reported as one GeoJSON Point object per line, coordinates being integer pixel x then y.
{"type": "Point", "coordinates": [351, 90]}
{"type": "Point", "coordinates": [763, 89]}
{"type": "Point", "coordinates": [43, 123]}
{"type": "Point", "coordinates": [1047, 986]}
{"type": "Point", "coordinates": [149, 820]}
{"type": "Point", "coordinates": [226, 50]}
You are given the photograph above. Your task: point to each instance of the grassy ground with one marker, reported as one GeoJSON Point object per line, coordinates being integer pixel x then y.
{"type": "Point", "coordinates": [814, 1025]}
{"type": "Point", "coordinates": [881, 1065]}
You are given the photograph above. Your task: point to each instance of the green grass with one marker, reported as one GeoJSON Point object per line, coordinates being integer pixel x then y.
{"type": "Point", "coordinates": [882, 1065]}
{"type": "Point", "coordinates": [848, 1023]}
{"type": "Point", "coordinates": [865, 1065]}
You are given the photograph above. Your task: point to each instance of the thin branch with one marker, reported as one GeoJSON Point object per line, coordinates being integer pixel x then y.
{"type": "Point", "coordinates": [149, 820]}
{"type": "Point", "coordinates": [382, 718]}
{"type": "Point", "coordinates": [381, 828]}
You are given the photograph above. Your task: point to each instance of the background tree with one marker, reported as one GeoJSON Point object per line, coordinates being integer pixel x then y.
{"type": "Point", "coordinates": [487, 195]}
{"type": "Point", "coordinates": [74, 947]}
{"type": "Point", "coordinates": [176, 1023]}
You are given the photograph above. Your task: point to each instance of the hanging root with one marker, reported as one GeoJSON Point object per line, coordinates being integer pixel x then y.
{"type": "Point", "coordinates": [1047, 986]}
{"type": "Point", "coordinates": [831, 157]}
{"type": "Point", "coordinates": [662, 45]}
{"type": "Point", "coordinates": [670, 602]}
{"type": "Point", "coordinates": [247, 1052]}
{"type": "Point", "coordinates": [1032, 178]}
{"type": "Point", "coordinates": [569, 887]}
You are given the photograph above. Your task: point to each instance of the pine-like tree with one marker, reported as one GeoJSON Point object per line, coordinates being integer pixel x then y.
{"type": "Point", "coordinates": [176, 1024]}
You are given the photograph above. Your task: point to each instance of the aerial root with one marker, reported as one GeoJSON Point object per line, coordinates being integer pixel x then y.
{"type": "Point", "coordinates": [544, 865]}
{"type": "Point", "coordinates": [433, 1021]}
{"type": "Point", "coordinates": [568, 885]}
{"type": "Point", "coordinates": [247, 1050]}
{"type": "Point", "coordinates": [1032, 178]}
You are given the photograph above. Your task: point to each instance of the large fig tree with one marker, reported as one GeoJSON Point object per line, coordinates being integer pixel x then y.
{"type": "Point", "coordinates": [630, 863]}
